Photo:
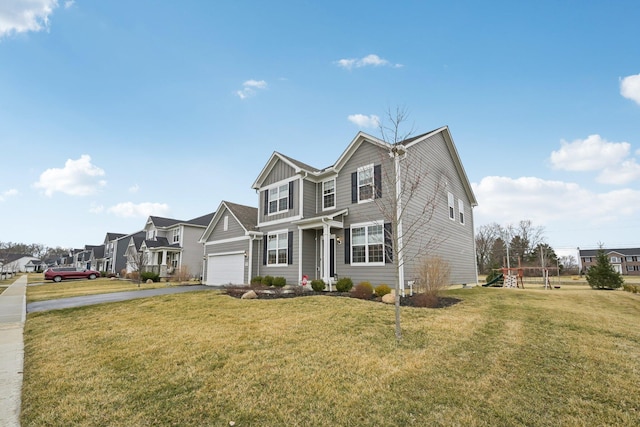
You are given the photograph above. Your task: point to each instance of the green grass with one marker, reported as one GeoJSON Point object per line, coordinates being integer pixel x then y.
{"type": "Point", "coordinates": [500, 358]}
{"type": "Point", "coordinates": [72, 288]}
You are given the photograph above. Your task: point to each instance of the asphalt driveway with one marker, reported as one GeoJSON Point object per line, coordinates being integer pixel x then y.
{"type": "Point", "coordinates": [57, 304]}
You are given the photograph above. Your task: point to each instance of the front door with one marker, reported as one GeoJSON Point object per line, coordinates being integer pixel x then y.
{"type": "Point", "coordinates": [332, 256]}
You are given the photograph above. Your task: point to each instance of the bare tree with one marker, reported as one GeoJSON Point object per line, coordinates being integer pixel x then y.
{"type": "Point", "coordinates": [137, 261]}
{"type": "Point", "coordinates": [486, 237]}
{"type": "Point", "coordinates": [410, 217]}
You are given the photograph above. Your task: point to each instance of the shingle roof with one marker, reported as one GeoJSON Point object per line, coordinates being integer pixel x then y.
{"type": "Point", "coordinates": [160, 242]}
{"type": "Point", "coordinates": [159, 221]}
{"type": "Point", "coordinates": [625, 252]}
{"type": "Point", "coordinates": [247, 215]}
{"type": "Point", "coordinates": [114, 236]}
{"type": "Point", "coordinates": [203, 220]}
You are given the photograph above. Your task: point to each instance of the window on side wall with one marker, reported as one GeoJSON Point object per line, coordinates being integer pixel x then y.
{"type": "Point", "coordinates": [367, 244]}
{"type": "Point", "coordinates": [452, 213]}
{"type": "Point", "coordinates": [277, 248]}
{"type": "Point", "coordinates": [329, 194]}
{"type": "Point", "coordinates": [461, 211]}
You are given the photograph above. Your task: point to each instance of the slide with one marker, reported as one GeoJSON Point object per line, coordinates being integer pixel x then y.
{"type": "Point", "coordinates": [498, 278]}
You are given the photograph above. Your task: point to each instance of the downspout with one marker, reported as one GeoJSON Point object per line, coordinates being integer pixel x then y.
{"type": "Point", "coordinates": [301, 214]}
{"type": "Point", "coordinates": [396, 164]}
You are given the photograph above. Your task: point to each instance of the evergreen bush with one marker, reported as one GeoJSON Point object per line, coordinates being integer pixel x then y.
{"type": "Point", "coordinates": [344, 284]}
{"type": "Point", "coordinates": [318, 285]}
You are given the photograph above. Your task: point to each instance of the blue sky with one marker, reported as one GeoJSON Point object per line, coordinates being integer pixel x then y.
{"type": "Point", "coordinates": [114, 111]}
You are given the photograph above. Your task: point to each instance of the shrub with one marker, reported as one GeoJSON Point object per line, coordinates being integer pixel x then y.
{"type": "Point", "coordinates": [181, 274]}
{"type": "Point", "coordinates": [382, 290]}
{"type": "Point", "coordinates": [146, 275]}
{"type": "Point", "coordinates": [279, 282]}
{"type": "Point", "coordinates": [363, 290]}
{"type": "Point", "coordinates": [602, 275]}
{"type": "Point", "coordinates": [433, 278]}
{"type": "Point", "coordinates": [426, 300]}
{"type": "Point", "coordinates": [256, 280]}
{"type": "Point", "coordinates": [634, 289]}
{"type": "Point", "coordinates": [318, 285]}
{"type": "Point", "coordinates": [344, 284]}
{"type": "Point", "coordinates": [103, 274]}
{"type": "Point", "coordinates": [267, 280]}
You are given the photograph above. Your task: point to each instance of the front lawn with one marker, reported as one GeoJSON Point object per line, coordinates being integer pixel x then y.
{"type": "Point", "coordinates": [501, 357]}
{"type": "Point", "coordinates": [73, 288]}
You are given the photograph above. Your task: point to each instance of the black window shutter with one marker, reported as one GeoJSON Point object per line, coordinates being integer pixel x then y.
{"type": "Point", "coordinates": [290, 248]}
{"type": "Point", "coordinates": [266, 202]}
{"type": "Point", "coordinates": [377, 180]}
{"type": "Point", "coordinates": [347, 245]}
{"type": "Point", "coordinates": [290, 194]}
{"type": "Point", "coordinates": [388, 243]}
{"type": "Point", "coordinates": [264, 249]}
{"type": "Point", "coordinates": [354, 187]}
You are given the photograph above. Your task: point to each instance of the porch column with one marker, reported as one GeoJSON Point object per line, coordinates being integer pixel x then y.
{"type": "Point", "coordinates": [326, 262]}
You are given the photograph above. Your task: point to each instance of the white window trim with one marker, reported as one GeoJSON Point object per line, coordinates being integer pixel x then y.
{"type": "Point", "coordinates": [373, 183]}
{"type": "Point", "coordinates": [225, 223]}
{"type": "Point", "coordinates": [334, 194]}
{"type": "Point", "coordinates": [175, 233]}
{"type": "Point", "coordinates": [276, 233]}
{"type": "Point", "coordinates": [451, 206]}
{"type": "Point", "coordinates": [278, 211]}
{"type": "Point", "coordinates": [461, 214]}
{"type": "Point", "coordinates": [366, 225]}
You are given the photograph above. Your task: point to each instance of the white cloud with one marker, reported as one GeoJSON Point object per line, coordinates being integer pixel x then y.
{"type": "Point", "coordinates": [593, 153]}
{"type": "Point", "coordinates": [369, 60]}
{"type": "Point", "coordinates": [140, 210]}
{"type": "Point", "coordinates": [361, 120]}
{"type": "Point", "coordinates": [507, 200]}
{"type": "Point", "coordinates": [630, 87]}
{"type": "Point", "coordinates": [77, 178]}
{"type": "Point", "coordinates": [134, 188]}
{"type": "Point", "coordinates": [69, 3]}
{"type": "Point", "coordinates": [623, 173]}
{"type": "Point", "coordinates": [96, 208]}
{"type": "Point", "coordinates": [8, 193]}
{"type": "Point", "coordinates": [20, 16]}
{"type": "Point", "coordinates": [249, 88]}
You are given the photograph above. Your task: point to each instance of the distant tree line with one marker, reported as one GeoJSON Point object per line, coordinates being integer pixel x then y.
{"type": "Point", "coordinates": [523, 245]}
{"type": "Point", "coordinates": [37, 250]}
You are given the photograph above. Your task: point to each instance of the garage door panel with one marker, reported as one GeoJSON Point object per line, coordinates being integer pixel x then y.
{"type": "Point", "coordinates": [225, 269]}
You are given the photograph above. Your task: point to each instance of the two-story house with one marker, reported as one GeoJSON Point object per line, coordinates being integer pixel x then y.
{"type": "Point", "coordinates": [110, 247]}
{"type": "Point", "coordinates": [624, 261]}
{"type": "Point", "coordinates": [173, 245]}
{"type": "Point", "coordinates": [338, 221]}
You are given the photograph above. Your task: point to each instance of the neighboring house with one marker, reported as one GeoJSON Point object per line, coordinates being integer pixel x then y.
{"type": "Point", "coordinates": [133, 253]}
{"type": "Point", "coordinates": [171, 245]}
{"type": "Point", "coordinates": [624, 261]}
{"type": "Point", "coordinates": [110, 252]}
{"type": "Point", "coordinates": [35, 265]}
{"type": "Point", "coordinates": [232, 245]}
{"type": "Point", "coordinates": [119, 255]}
{"type": "Point", "coordinates": [86, 258]}
{"type": "Point", "coordinates": [16, 262]}
{"type": "Point", "coordinates": [330, 223]}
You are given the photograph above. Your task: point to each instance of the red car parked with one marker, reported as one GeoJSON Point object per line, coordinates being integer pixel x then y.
{"type": "Point", "coordinates": [57, 274]}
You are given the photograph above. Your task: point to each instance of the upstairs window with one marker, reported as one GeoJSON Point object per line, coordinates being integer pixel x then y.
{"type": "Point", "coordinates": [329, 194]}
{"type": "Point", "coordinates": [279, 199]}
{"type": "Point", "coordinates": [452, 213]}
{"type": "Point", "coordinates": [615, 260]}
{"type": "Point", "coordinates": [225, 223]}
{"type": "Point", "coordinates": [176, 235]}
{"type": "Point", "coordinates": [365, 183]}
{"type": "Point", "coordinates": [461, 211]}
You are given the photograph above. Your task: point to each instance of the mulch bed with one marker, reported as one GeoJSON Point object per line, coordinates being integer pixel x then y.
{"type": "Point", "coordinates": [276, 293]}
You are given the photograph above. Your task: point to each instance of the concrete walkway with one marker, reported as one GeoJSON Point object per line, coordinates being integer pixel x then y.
{"type": "Point", "coordinates": [12, 317]}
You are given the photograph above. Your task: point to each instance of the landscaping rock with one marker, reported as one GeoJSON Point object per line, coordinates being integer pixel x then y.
{"type": "Point", "coordinates": [149, 281]}
{"type": "Point", "coordinates": [249, 295]}
{"type": "Point", "coordinates": [389, 298]}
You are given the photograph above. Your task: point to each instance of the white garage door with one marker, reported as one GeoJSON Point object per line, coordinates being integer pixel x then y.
{"type": "Point", "coordinates": [225, 269]}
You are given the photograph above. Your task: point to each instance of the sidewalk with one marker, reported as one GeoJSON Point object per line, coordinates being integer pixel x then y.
{"type": "Point", "coordinates": [12, 317]}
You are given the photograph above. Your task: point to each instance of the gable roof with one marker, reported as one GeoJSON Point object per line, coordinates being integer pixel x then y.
{"type": "Point", "coordinates": [203, 220]}
{"type": "Point", "coordinates": [161, 222]}
{"type": "Point", "coordinates": [113, 236]}
{"type": "Point", "coordinates": [624, 252]}
{"type": "Point", "coordinates": [246, 216]}
{"type": "Point", "coordinates": [361, 138]}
